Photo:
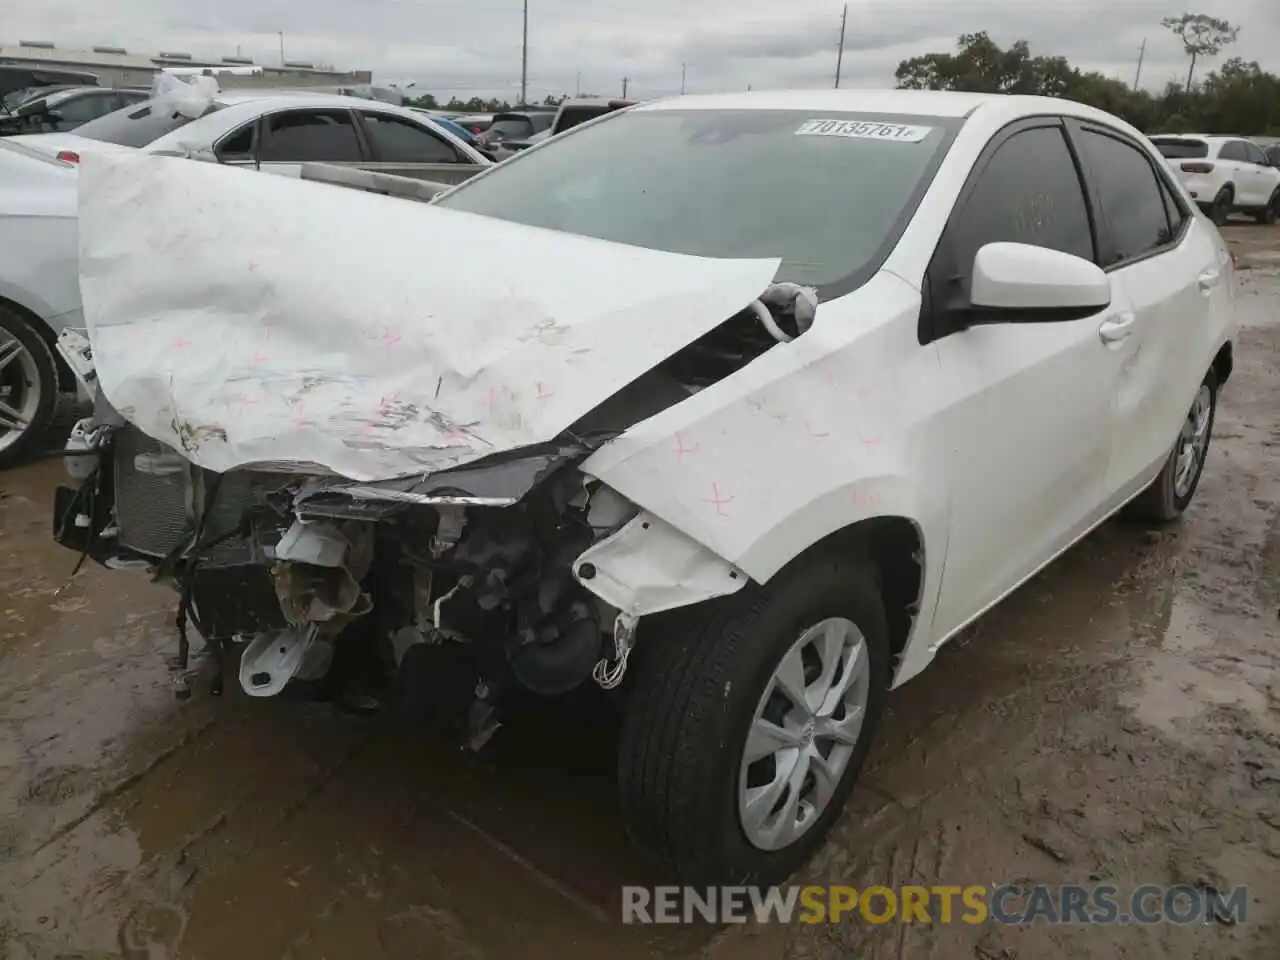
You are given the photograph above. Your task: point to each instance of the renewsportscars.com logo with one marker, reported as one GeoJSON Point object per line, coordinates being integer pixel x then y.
{"type": "Point", "coordinates": [974, 904]}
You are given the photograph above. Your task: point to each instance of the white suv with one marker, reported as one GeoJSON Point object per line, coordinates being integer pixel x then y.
{"type": "Point", "coordinates": [1224, 175]}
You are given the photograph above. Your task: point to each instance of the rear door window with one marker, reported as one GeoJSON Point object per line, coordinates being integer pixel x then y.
{"type": "Point", "coordinates": [303, 136]}
{"type": "Point", "coordinates": [394, 139]}
{"type": "Point", "coordinates": [1233, 150]}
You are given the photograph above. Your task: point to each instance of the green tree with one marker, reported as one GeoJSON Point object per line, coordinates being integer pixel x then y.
{"type": "Point", "coordinates": [1201, 36]}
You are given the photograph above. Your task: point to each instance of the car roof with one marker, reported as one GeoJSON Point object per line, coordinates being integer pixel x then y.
{"type": "Point", "coordinates": [271, 99]}
{"type": "Point", "coordinates": [924, 103]}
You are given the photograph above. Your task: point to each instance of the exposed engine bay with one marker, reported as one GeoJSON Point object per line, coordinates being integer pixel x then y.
{"type": "Point", "coordinates": [433, 595]}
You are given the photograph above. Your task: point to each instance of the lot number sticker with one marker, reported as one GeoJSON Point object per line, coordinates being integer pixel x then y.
{"type": "Point", "coordinates": [863, 130]}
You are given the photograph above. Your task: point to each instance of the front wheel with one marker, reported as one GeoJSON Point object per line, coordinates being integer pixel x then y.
{"type": "Point", "coordinates": [748, 721]}
{"type": "Point", "coordinates": [1171, 491]}
{"type": "Point", "coordinates": [28, 387]}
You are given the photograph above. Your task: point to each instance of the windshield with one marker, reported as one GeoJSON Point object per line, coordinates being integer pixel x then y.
{"type": "Point", "coordinates": [508, 128]}
{"type": "Point", "coordinates": [1181, 149]}
{"type": "Point", "coordinates": [828, 193]}
{"type": "Point", "coordinates": [135, 126]}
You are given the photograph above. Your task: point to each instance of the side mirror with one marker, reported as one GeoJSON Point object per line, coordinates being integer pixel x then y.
{"type": "Point", "coordinates": [1021, 283]}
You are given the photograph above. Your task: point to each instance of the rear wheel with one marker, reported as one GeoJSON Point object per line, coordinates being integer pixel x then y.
{"type": "Point", "coordinates": [28, 387]}
{"type": "Point", "coordinates": [748, 720]}
{"type": "Point", "coordinates": [1221, 208]}
{"type": "Point", "coordinates": [1271, 212]}
{"type": "Point", "coordinates": [1171, 491]}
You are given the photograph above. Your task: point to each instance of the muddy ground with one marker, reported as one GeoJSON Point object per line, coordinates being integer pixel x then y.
{"type": "Point", "coordinates": [1118, 719]}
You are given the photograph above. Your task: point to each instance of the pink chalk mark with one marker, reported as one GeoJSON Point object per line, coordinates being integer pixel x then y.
{"type": "Point", "coordinates": [543, 393]}
{"type": "Point", "coordinates": [718, 501]}
{"type": "Point", "coordinates": [868, 441]}
{"type": "Point", "coordinates": [866, 498]}
{"type": "Point", "coordinates": [493, 399]}
{"type": "Point", "coordinates": [682, 450]}
{"type": "Point", "coordinates": [181, 344]}
{"type": "Point", "coordinates": [243, 400]}
{"type": "Point", "coordinates": [253, 267]}
{"type": "Point", "coordinates": [258, 359]}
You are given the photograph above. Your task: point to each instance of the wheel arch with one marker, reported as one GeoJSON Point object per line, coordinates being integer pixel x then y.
{"type": "Point", "coordinates": [66, 379]}
{"type": "Point", "coordinates": [1224, 363]}
{"type": "Point", "coordinates": [897, 547]}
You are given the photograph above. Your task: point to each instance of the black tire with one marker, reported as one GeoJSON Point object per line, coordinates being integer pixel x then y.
{"type": "Point", "coordinates": [697, 678]}
{"type": "Point", "coordinates": [1221, 208]}
{"type": "Point", "coordinates": [14, 325]}
{"type": "Point", "coordinates": [1160, 503]}
{"type": "Point", "coordinates": [1271, 212]}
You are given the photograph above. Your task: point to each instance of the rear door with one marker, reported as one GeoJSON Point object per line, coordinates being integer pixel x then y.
{"type": "Point", "coordinates": [1167, 266]}
{"type": "Point", "coordinates": [399, 146]}
{"type": "Point", "coordinates": [1267, 176]}
{"type": "Point", "coordinates": [282, 141]}
{"type": "Point", "coordinates": [1241, 174]}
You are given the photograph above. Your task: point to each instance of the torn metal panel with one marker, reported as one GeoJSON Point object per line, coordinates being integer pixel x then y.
{"type": "Point", "coordinates": [228, 320]}
{"type": "Point", "coordinates": [649, 566]}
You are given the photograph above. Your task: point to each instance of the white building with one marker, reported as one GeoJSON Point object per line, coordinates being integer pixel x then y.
{"type": "Point", "coordinates": [117, 67]}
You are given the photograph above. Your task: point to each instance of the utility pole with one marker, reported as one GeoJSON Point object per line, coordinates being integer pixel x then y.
{"type": "Point", "coordinates": [281, 48]}
{"type": "Point", "coordinates": [682, 74]}
{"type": "Point", "coordinates": [840, 56]}
{"type": "Point", "coordinates": [1141, 53]}
{"type": "Point", "coordinates": [625, 82]}
{"type": "Point", "coordinates": [524, 57]}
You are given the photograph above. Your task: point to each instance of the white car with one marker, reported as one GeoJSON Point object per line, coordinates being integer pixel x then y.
{"type": "Point", "coordinates": [1224, 175]}
{"type": "Point", "coordinates": [278, 131]}
{"type": "Point", "coordinates": [776, 392]}
{"type": "Point", "coordinates": [39, 292]}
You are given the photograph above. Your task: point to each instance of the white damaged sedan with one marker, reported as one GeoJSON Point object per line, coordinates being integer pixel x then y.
{"type": "Point", "coordinates": [740, 406]}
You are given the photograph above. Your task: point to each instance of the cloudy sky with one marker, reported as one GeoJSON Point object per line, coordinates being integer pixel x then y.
{"type": "Point", "coordinates": [467, 47]}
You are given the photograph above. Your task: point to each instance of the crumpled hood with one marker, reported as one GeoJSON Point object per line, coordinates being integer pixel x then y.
{"type": "Point", "coordinates": [244, 318]}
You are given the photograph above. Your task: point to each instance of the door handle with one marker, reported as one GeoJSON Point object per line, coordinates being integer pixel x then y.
{"type": "Point", "coordinates": [1116, 328]}
{"type": "Point", "coordinates": [1209, 279]}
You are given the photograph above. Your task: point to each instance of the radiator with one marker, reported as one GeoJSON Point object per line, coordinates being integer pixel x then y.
{"type": "Point", "coordinates": [155, 496]}
{"type": "Point", "coordinates": [152, 494]}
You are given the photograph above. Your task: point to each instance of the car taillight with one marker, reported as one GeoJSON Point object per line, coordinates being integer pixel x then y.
{"type": "Point", "coordinates": [1197, 168]}
{"type": "Point", "coordinates": [68, 156]}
